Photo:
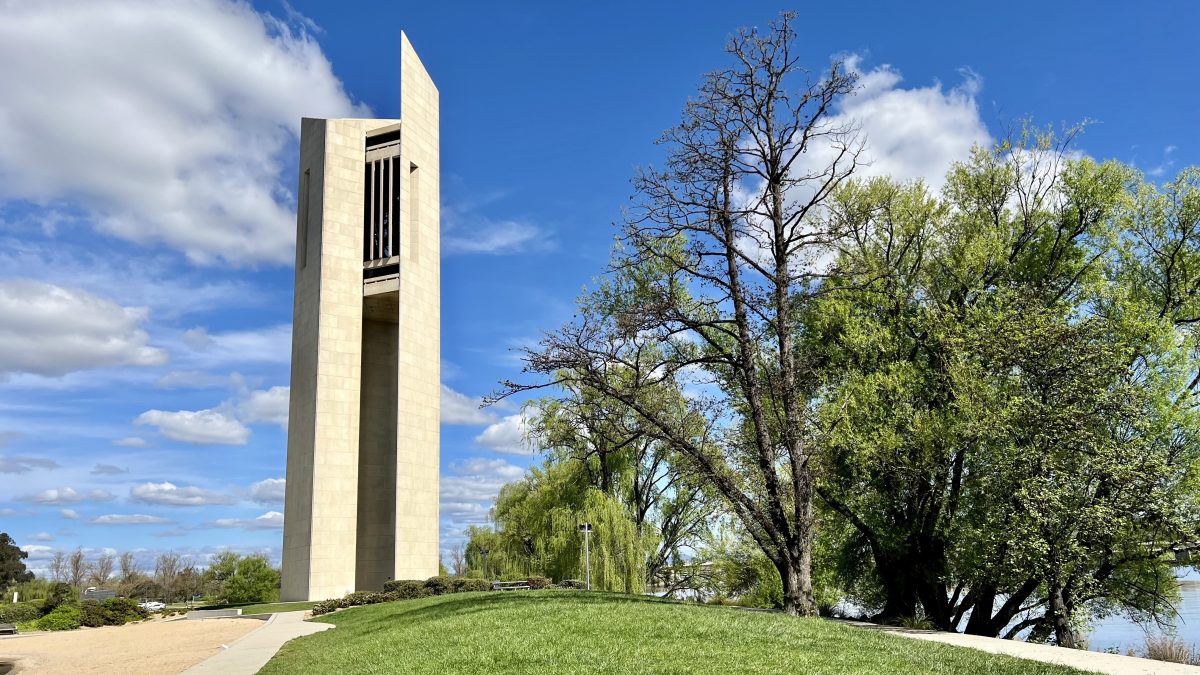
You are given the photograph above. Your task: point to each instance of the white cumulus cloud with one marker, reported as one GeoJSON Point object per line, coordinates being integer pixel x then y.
{"type": "Point", "coordinates": [53, 330]}
{"type": "Point", "coordinates": [265, 406]}
{"type": "Point", "coordinates": [462, 409]}
{"type": "Point", "coordinates": [169, 494]}
{"type": "Point", "coordinates": [202, 427]}
{"type": "Point", "coordinates": [510, 435]}
{"type": "Point", "coordinates": [269, 491]}
{"type": "Point", "coordinates": [167, 122]}
{"type": "Point", "coordinates": [910, 133]}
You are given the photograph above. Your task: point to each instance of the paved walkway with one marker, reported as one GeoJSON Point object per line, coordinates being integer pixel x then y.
{"type": "Point", "coordinates": [1099, 662]}
{"type": "Point", "coordinates": [248, 654]}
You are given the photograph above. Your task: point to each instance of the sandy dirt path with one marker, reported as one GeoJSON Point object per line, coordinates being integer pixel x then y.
{"type": "Point", "coordinates": [160, 646]}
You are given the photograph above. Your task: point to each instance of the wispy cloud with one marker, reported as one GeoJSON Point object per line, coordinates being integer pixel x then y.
{"type": "Point", "coordinates": [24, 464]}
{"type": "Point", "coordinates": [129, 519]}
{"type": "Point", "coordinates": [67, 495]}
{"type": "Point", "coordinates": [169, 494]}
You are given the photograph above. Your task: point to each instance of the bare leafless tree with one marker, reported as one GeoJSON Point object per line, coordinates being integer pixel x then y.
{"type": "Point", "coordinates": [458, 560]}
{"type": "Point", "coordinates": [722, 249]}
{"type": "Point", "coordinates": [166, 572]}
{"type": "Point", "coordinates": [77, 568]}
{"type": "Point", "coordinates": [102, 569]}
{"type": "Point", "coordinates": [58, 567]}
{"type": "Point", "coordinates": [127, 564]}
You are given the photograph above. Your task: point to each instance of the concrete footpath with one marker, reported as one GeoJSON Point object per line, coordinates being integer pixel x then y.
{"type": "Point", "coordinates": [246, 655]}
{"type": "Point", "coordinates": [1098, 662]}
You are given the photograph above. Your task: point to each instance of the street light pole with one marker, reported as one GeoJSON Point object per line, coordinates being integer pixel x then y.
{"type": "Point", "coordinates": [586, 529]}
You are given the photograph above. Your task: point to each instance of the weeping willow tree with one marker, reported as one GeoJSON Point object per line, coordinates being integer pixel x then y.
{"type": "Point", "coordinates": [537, 531]}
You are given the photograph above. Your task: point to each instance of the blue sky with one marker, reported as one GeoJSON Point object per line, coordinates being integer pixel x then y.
{"type": "Point", "coordinates": [147, 156]}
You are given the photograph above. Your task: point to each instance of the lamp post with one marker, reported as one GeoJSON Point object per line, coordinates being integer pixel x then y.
{"type": "Point", "coordinates": [586, 529]}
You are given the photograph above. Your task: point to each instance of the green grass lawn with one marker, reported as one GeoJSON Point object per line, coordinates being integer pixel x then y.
{"type": "Point", "coordinates": [572, 631]}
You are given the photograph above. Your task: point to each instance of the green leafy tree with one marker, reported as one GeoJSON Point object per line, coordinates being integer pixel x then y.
{"type": "Point", "coordinates": [12, 562]}
{"type": "Point", "coordinates": [996, 363]}
{"type": "Point", "coordinates": [252, 579]}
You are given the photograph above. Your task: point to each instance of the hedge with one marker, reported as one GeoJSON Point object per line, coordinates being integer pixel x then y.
{"type": "Point", "coordinates": [411, 589]}
{"type": "Point", "coordinates": [20, 612]}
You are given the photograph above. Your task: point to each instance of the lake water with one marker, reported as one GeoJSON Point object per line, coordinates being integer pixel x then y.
{"type": "Point", "coordinates": [1123, 634]}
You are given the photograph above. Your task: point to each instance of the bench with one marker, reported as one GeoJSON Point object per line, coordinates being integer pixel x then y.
{"type": "Point", "coordinates": [521, 585]}
{"type": "Point", "coordinates": [7, 629]}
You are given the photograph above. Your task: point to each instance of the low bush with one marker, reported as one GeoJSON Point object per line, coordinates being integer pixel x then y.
{"type": "Point", "coordinates": [538, 582]}
{"type": "Point", "coordinates": [62, 617]}
{"type": "Point", "coordinates": [124, 610]}
{"type": "Point", "coordinates": [92, 614]}
{"type": "Point", "coordinates": [324, 607]}
{"type": "Point", "coordinates": [20, 612]}
{"type": "Point", "coordinates": [572, 583]}
{"type": "Point", "coordinates": [915, 622]}
{"type": "Point", "coordinates": [360, 598]}
{"type": "Point", "coordinates": [439, 585]}
{"type": "Point", "coordinates": [406, 590]}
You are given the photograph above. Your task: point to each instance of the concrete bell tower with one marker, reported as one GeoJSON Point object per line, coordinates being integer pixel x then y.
{"type": "Point", "coordinates": [361, 504]}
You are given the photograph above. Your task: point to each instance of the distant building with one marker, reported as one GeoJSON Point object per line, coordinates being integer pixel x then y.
{"type": "Point", "coordinates": [361, 502]}
{"type": "Point", "coordinates": [100, 594]}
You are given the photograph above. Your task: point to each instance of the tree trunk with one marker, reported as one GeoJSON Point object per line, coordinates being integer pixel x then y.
{"type": "Point", "coordinates": [797, 588]}
{"type": "Point", "coordinates": [1065, 635]}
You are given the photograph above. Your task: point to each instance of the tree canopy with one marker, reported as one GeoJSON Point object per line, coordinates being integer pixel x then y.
{"type": "Point", "coordinates": [12, 562]}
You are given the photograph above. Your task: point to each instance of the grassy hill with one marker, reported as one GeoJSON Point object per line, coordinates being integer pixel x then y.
{"type": "Point", "coordinates": [572, 631]}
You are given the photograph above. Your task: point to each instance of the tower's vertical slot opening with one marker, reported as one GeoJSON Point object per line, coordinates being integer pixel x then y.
{"type": "Point", "coordinates": [381, 196]}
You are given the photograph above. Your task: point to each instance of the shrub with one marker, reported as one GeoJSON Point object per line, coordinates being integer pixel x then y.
{"type": "Point", "coordinates": [360, 598]}
{"type": "Point", "coordinates": [63, 617]}
{"type": "Point", "coordinates": [406, 590]}
{"type": "Point", "coordinates": [472, 585]}
{"type": "Point", "coordinates": [918, 623]}
{"type": "Point", "coordinates": [439, 585]}
{"type": "Point", "coordinates": [92, 614]}
{"type": "Point", "coordinates": [20, 612]}
{"type": "Point", "coordinates": [1170, 648]}
{"type": "Point", "coordinates": [124, 610]}
{"type": "Point", "coordinates": [538, 582]}
{"type": "Point", "coordinates": [324, 607]}
{"type": "Point", "coordinates": [393, 585]}
{"type": "Point", "coordinates": [572, 583]}
{"type": "Point", "coordinates": [59, 594]}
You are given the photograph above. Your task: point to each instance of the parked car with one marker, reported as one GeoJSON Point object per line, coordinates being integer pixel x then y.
{"type": "Point", "coordinates": [152, 605]}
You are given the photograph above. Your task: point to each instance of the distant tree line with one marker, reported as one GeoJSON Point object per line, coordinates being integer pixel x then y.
{"type": "Point", "coordinates": [228, 577]}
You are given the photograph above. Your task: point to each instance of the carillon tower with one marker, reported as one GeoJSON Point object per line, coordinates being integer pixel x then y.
{"type": "Point", "coordinates": [363, 440]}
